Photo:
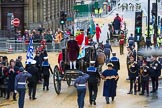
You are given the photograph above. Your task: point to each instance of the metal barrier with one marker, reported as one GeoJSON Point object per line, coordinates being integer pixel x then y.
{"type": "Point", "coordinates": [13, 46]}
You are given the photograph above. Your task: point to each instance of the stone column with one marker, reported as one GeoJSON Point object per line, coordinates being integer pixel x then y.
{"type": "Point", "coordinates": [35, 11]}
{"type": "Point", "coordinates": [26, 14]}
{"type": "Point", "coordinates": [41, 11]}
{"type": "Point", "coordinates": [30, 10]}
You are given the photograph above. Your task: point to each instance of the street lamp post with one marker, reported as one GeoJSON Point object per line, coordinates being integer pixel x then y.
{"type": "Point", "coordinates": [148, 26]}
{"type": "Point", "coordinates": [155, 14]}
{"type": "Point", "coordinates": [156, 18]}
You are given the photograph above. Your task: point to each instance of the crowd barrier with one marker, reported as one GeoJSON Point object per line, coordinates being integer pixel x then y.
{"type": "Point", "coordinates": [12, 46]}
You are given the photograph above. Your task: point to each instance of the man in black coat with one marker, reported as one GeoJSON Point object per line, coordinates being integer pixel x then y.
{"type": "Point", "coordinates": [38, 64]}
{"type": "Point", "coordinates": [18, 62]}
{"type": "Point", "coordinates": [33, 70]}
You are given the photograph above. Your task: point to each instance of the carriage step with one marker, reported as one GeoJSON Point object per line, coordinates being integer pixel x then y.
{"type": "Point", "coordinates": [72, 71]}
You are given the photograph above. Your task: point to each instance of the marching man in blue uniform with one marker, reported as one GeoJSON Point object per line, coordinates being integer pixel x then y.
{"type": "Point", "coordinates": [46, 68]}
{"type": "Point", "coordinates": [20, 85]}
{"type": "Point", "coordinates": [109, 76]}
{"type": "Point", "coordinates": [80, 84]}
{"type": "Point", "coordinates": [115, 61]}
{"type": "Point", "coordinates": [93, 81]}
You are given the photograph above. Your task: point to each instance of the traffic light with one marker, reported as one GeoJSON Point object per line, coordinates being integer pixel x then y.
{"type": "Point", "coordinates": [63, 16]}
{"type": "Point", "coordinates": [154, 11]}
{"type": "Point", "coordinates": [138, 25]}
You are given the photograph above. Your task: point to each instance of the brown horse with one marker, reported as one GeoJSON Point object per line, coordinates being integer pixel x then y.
{"type": "Point", "coordinates": [100, 59]}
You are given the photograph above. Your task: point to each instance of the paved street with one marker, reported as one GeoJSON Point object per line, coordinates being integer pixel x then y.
{"type": "Point", "coordinates": [67, 98]}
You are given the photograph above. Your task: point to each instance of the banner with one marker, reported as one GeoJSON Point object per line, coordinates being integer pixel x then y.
{"type": "Point", "coordinates": [82, 49]}
{"type": "Point", "coordinates": [29, 54]}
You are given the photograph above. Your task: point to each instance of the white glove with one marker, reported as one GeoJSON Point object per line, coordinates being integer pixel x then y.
{"type": "Point", "coordinates": [133, 66]}
{"type": "Point", "coordinates": [154, 67]}
{"type": "Point", "coordinates": [15, 91]}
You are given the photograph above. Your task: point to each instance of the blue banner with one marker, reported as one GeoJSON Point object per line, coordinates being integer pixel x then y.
{"type": "Point", "coordinates": [29, 54]}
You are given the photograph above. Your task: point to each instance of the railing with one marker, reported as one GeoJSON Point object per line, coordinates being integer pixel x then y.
{"type": "Point", "coordinates": [13, 46]}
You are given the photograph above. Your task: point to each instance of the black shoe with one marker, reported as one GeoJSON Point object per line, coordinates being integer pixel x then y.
{"type": "Point", "coordinates": [91, 103]}
{"type": "Point", "coordinates": [47, 88]}
{"type": "Point", "coordinates": [30, 97]}
{"type": "Point", "coordinates": [112, 98]}
{"type": "Point", "coordinates": [94, 102]}
{"type": "Point", "coordinates": [152, 91]}
{"type": "Point", "coordinates": [43, 89]}
{"type": "Point", "coordinates": [14, 99]}
{"type": "Point", "coordinates": [135, 93]}
{"type": "Point", "coordinates": [34, 98]}
{"type": "Point", "coordinates": [107, 102]}
{"type": "Point", "coordinates": [130, 93]}
{"type": "Point", "coordinates": [141, 94]}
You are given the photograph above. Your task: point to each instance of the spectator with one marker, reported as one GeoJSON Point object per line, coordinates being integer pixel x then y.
{"type": "Point", "coordinates": [19, 62]}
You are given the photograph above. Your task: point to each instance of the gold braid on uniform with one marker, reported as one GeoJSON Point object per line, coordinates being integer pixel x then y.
{"type": "Point", "coordinates": [143, 72]}
{"type": "Point", "coordinates": [131, 69]}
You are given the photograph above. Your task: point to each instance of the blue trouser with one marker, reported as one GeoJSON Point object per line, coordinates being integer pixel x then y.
{"type": "Point", "coordinates": [21, 97]}
{"type": "Point", "coordinates": [81, 95]}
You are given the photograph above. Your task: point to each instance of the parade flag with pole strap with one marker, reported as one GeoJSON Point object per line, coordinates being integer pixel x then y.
{"type": "Point", "coordinates": [29, 54]}
{"type": "Point", "coordinates": [82, 49]}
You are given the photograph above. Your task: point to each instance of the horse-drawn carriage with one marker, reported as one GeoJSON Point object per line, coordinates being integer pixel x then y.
{"type": "Point", "coordinates": [114, 35]}
{"type": "Point", "coordinates": [63, 71]}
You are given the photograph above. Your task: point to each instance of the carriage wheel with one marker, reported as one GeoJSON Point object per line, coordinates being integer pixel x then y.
{"type": "Point", "coordinates": [57, 80]}
{"type": "Point", "coordinates": [68, 80]}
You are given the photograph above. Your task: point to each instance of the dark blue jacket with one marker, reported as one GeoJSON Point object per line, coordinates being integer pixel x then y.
{"type": "Point", "coordinates": [81, 80]}
{"type": "Point", "coordinates": [131, 41]}
{"type": "Point", "coordinates": [20, 80]}
{"type": "Point", "coordinates": [46, 68]}
{"type": "Point", "coordinates": [107, 48]}
{"type": "Point", "coordinates": [94, 76]}
{"type": "Point", "coordinates": [155, 69]}
{"type": "Point", "coordinates": [116, 24]}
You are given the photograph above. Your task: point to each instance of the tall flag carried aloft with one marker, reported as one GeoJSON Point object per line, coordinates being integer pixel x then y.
{"type": "Point", "coordinates": [82, 49]}
{"type": "Point", "coordinates": [29, 54]}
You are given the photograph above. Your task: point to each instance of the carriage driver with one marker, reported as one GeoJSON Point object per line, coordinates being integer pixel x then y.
{"type": "Point", "coordinates": [73, 51]}
{"type": "Point", "coordinates": [93, 80]}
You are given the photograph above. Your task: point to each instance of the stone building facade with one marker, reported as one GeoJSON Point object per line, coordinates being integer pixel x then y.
{"type": "Point", "coordinates": [33, 13]}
